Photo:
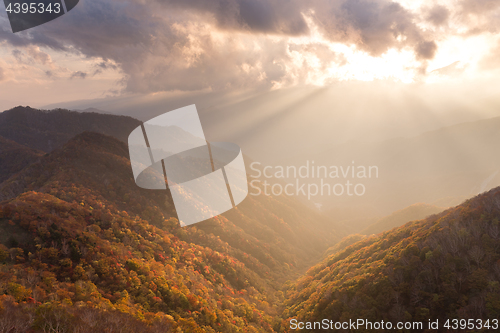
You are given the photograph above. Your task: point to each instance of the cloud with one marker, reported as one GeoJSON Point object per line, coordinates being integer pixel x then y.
{"type": "Point", "coordinates": [32, 55]}
{"type": "Point", "coordinates": [322, 52]}
{"type": "Point", "coordinates": [437, 15]}
{"type": "Point", "coordinates": [453, 69]}
{"type": "Point", "coordinates": [373, 26]}
{"type": "Point", "coordinates": [491, 61]}
{"type": "Point", "coordinates": [188, 45]}
{"type": "Point", "coordinates": [479, 16]}
{"type": "Point", "coordinates": [426, 50]}
{"type": "Point", "coordinates": [2, 74]}
{"type": "Point", "coordinates": [79, 75]}
{"type": "Point", "coordinates": [26, 38]}
{"type": "Point", "coordinates": [264, 16]}
{"type": "Point", "coordinates": [479, 6]}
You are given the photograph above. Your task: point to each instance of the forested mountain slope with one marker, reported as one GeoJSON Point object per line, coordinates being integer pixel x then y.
{"type": "Point", "coordinates": [85, 242]}
{"type": "Point", "coordinates": [14, 157]}
{"type": "Point", "coordinates": [444, 267]}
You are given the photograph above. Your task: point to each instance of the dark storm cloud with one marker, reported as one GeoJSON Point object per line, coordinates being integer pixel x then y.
{"type": "Point", "coordinates": [373, 26]}
{"type": "Point", "coordinates": [23, 39]}
{"type": "Point", "coordinates": [266, 16]}
{"type": "Point", "coordinates": [97, 28]}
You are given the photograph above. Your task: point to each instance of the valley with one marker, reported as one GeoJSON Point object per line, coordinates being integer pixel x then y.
{"type": "Point", "coordinates": [83, 249]}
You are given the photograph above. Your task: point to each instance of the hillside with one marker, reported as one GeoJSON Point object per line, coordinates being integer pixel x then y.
{"type": "Point", "coordinates": [84, 239]}
{"type": "Point", "coordinates": [439, 167]}
{"type": "Point", "coordinates": [14, 157]}
{"type": "Point", "coordinates": [48, 130]}
{"type": "Point", "coordinates": [414, 212]}
{"type": "Point", "coordinates": [444, 267]}
{"type": "Point", "coordinates": [343, 243]}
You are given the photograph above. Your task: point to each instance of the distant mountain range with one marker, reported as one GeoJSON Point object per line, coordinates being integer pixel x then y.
{"type": "Point", "coordinates": [48, 130]}
{"type": "Point", "coordinates": [414, 212]}
{"type": "Point", "coordinates": [445, 165]}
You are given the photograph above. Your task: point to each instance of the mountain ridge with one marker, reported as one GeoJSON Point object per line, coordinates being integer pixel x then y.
{"type": "Point", "coordinates": [443, 267]}
{"type": "Point", "coordinates": [76, 218]}
{"type": "Point", "coordinates": [47, 130]}
{"type": "Point", "coordinates": [414, 212]}
{"type": "Point", "coordinates": [14, 157]}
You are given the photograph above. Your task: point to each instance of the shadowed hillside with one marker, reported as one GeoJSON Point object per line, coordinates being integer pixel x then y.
{"type": "Point", "coordinates": [48, 130]}
{"type": "Point", "coordinates": [14, 157]}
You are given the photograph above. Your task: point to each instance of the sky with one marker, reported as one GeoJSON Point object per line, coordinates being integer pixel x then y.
{"type": "Point", "coordinates": [283, 79]}
{"type": "Point", "coordinates": [113, 48]}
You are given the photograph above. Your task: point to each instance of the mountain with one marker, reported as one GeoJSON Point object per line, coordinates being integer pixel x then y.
{"type": "Point", "coordinates": [444, 267]}
{"type": "Point", "coordinates": [92, 110]}
{"type": "Point", "coordinates": [344, 243]}
{"type": "Point", "coordinates": [48, 130]}
{"type": "Point", "coordinates": [447, 164]}
{"type": "Point", "coordinates": [14, 157]}
{"type": "Point", "coordinates": [84, 248]}
{"type": "Point", "coordinates": [414, 212]}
